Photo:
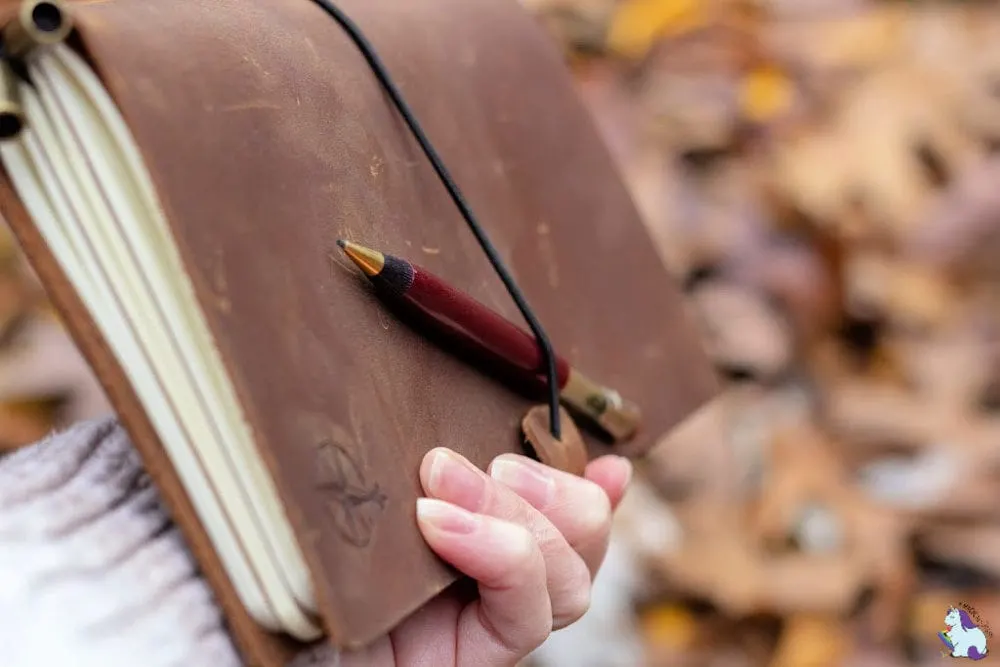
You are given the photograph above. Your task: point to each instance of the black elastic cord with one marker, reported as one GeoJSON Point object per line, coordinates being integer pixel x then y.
{"type": "Point", "coordinates": [368, 51]}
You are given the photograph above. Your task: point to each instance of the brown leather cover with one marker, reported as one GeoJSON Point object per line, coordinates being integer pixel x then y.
{"type": "Point", "coordinates": [268, 137]}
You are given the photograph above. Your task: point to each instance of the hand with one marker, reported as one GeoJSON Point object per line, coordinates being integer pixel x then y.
{"type": "Point", "coordinates": [531, 537]}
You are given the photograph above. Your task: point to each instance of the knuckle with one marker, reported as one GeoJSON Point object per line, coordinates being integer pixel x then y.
{"type": "Point", "coordinates": [574, 606]}
{"type": "Point", "coordinates": [594, 517]}
{"type": "Point", "coordinates": [572, 600]}
{"type": "Point", "coordinates": [531, 566]}
{"type": "Point", "coordinates": [518, 639]}
{"type": "Point", "coordinates": [522, 548]}
{"type": "Point", "coordinates": [537, 635]}
{"type": "Point", "coordinates": [527, 548]}
{"type": "Point", "coordinates": [516, 555]}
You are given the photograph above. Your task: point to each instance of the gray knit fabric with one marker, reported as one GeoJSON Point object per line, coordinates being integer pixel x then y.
{"type": "Point", "coordinates": [92, 572]}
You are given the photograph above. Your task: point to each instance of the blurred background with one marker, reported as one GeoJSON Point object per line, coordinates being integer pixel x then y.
{"type": "Point", "coordinates": [822, 177]}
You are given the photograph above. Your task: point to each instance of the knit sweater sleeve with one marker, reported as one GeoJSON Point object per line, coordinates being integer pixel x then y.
{"type": "Point", "coordinates": [92, 571]}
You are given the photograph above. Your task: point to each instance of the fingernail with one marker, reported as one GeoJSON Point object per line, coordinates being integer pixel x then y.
{"type": "Point", "coordinates": [530, 483]}
{"type": "Point", "coordinates": [628, 468]}
{"type": "Point", "coordinates": [453, 478]}
{"type": "Point", "coordinates": [446, 517]}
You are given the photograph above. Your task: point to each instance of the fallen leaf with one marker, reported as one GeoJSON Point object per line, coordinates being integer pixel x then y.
{"type": "Point", "coordinates": [638, 24]}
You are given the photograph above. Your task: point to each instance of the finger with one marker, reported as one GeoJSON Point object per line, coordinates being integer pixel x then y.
{"type": "Point", "coordinates": [449, 476]}
{"type": "Point", "coordinates": [579, 508]}
{"type": "Point", "coordinates": [611, 473]}
{"type": "Point", "coordinates": [513, 614]}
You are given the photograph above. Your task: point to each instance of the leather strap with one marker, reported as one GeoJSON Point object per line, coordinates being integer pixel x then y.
{"type": "Point", "coordinates": [568, 454]}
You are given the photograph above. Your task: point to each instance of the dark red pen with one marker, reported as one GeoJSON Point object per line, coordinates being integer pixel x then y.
{"type": "Point", "coordinates": [459, 315]}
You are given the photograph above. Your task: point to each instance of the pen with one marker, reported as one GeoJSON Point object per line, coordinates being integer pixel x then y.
{"type": "Point", "coordinates": [459, 315]}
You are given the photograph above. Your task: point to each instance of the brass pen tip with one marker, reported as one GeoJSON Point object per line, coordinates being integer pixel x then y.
{"type": "Point", "coordinates": [368, 260]}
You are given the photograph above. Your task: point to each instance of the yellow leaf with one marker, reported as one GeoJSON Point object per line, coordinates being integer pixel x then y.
{"type": "Point", "coordinates": [670, 626]}
{"type": "Point", "coordinates": [766, 92]}
{"type": "Point", "coordinates": [638, 24]}
{"type": "Point", "coordinates": [811, 641]}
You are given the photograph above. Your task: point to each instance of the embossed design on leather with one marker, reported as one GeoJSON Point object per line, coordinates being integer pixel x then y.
{"type": "Point", "coordinates": [355, 502]}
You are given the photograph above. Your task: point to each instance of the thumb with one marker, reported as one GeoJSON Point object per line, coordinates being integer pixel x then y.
{"type": "Point", "coordinates": [513, 614]}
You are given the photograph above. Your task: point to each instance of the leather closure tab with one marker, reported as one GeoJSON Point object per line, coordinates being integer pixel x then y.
{"type": "Point", "coordinates": [568, 454]}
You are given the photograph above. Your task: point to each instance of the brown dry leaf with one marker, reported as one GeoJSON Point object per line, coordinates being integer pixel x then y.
{"type": "Point", "coordinates": [976, 546]}
{"type": "Point", "coordinates": [743, 333]}
{"type": "Point", "coordinates": [850, 38]}
{"type": "Point", "coordinates": [879, 157]}
{"type": "Point", "coordinates": [24, 417]}
{"type": "Point", "coordinates": [576, 25]}
{"type": "Point", "coordinates": [691, 105]}
{"type": "Point", "coordinates": [794, 274]}
{"type": "Point", "coordinates": [910, 294]}
{"type": "Point", "coordinates": [960, 234]}
{"type": "Point", "coordinates": [717, 562]}
{"type": "Point", "coordinates": [44, 364]}
{"type": "Point", "coordinates": [958, 45]}
{"type": "Point", "coordinates": [720, 559]}
{"type": "Point", "coordinates": [843, 534]}
{"type": "Point", "coordinates": [14, 302]}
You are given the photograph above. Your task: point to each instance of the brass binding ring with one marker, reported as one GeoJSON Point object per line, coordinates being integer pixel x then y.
{"type": "Point", "coordinates": [36, 23]}
{"type": "Point", "coordinates": [11, 112]}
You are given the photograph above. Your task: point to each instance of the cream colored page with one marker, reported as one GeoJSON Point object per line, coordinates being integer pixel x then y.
{"type": "Point", "coordinates": [157, 252]}
{"type": "Point", "coordinates": [36, 176]}
{"type": "Point", "coordinates": [101, 166]}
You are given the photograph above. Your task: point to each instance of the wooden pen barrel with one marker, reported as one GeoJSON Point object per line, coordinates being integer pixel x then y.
{"type": "Point", "coordinates": [463, 316]}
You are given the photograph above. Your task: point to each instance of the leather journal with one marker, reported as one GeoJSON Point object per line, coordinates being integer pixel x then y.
{"type": "Point", "coordinates": [183, 173]}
